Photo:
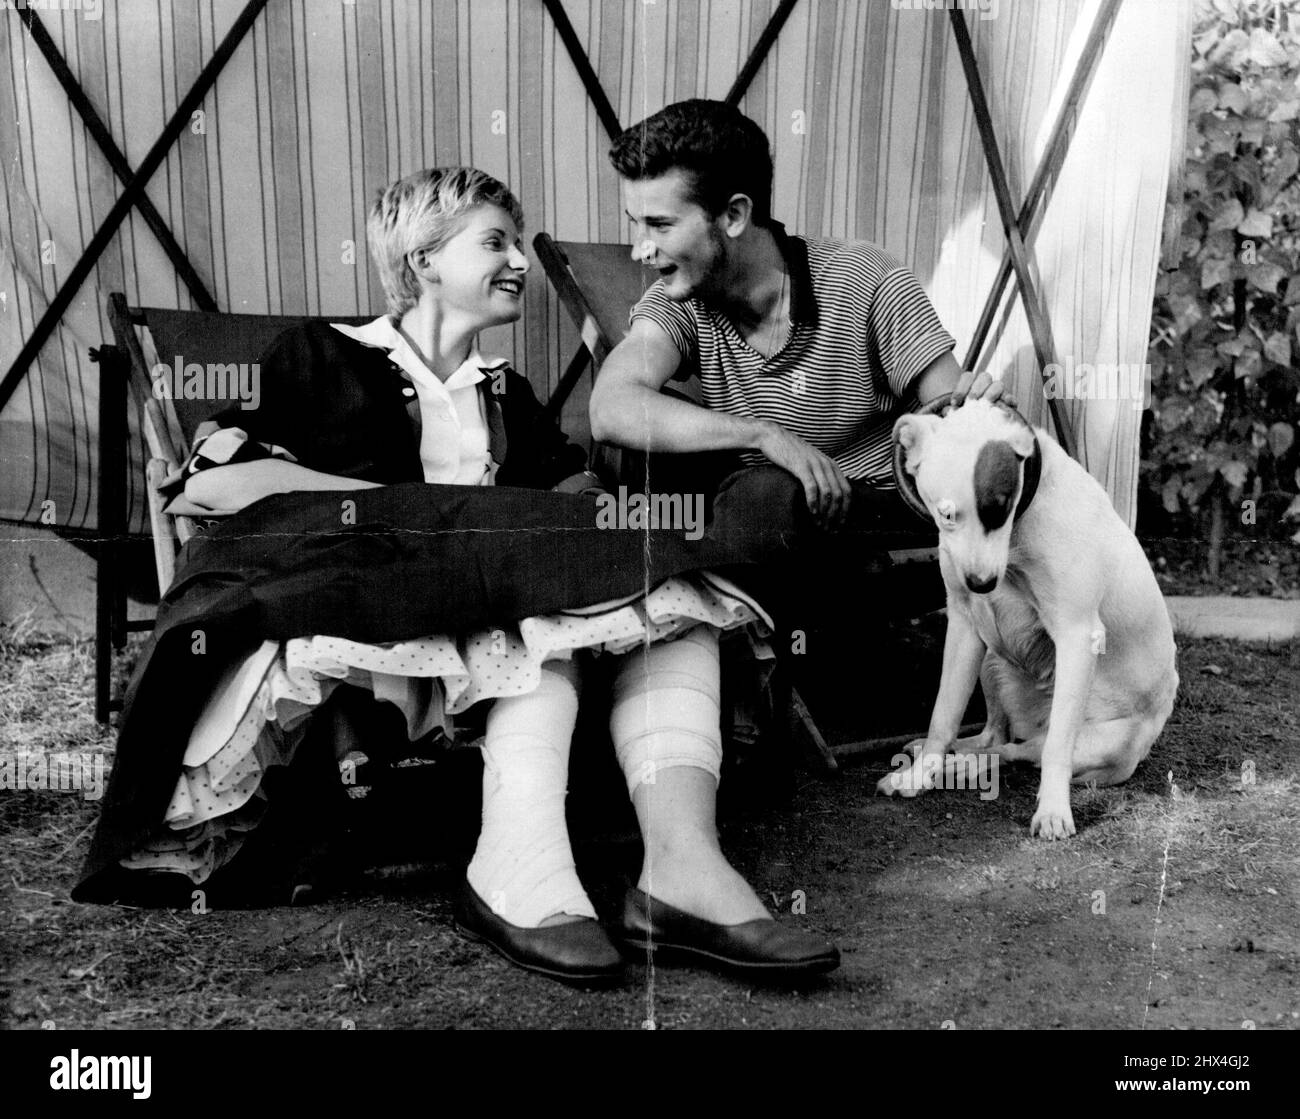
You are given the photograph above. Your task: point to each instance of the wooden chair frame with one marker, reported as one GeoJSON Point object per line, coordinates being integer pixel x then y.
{"type": "Point", "coordinates": [127, 381]}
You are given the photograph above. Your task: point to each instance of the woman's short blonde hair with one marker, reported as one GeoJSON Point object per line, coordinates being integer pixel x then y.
{"type": "Point", "coordinates": [424, 211]}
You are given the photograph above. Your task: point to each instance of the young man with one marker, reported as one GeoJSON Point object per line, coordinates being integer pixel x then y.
{"type": "Point", "coordinates": [807, 349]}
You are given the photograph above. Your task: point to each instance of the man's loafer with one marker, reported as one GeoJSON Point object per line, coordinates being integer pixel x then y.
{"type": "Point", "coordinates": [760, 947]}
{"type": "Point", "coordinates": [576, 952]}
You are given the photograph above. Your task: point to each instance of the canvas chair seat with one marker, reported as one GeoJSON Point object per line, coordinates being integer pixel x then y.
{"type": "Point", "coordinates": [203, 359]}
{"type": "Point", "coordinates": [141, 371]}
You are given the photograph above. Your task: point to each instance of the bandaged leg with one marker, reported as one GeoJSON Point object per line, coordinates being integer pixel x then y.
{"type": "Point", "coordinates": [523, 865]}
{"type": "Point", "coordinates": [665, 726]}
{"type": "Point", "coordinates": [665, 711]}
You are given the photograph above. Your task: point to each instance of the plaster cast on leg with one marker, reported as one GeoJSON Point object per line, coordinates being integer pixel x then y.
{"type": "Point", "coordinates": [523, 865]}
{"type": "Point", "coordinates": [667, 739]}
{"type": "Point", "coordinates": [666, 709]}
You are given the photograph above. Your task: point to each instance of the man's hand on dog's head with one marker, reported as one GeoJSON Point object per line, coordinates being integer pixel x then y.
{"type": "Point", "coordinates": [973, 386]}
{"type": "Point", "coordinates": [825, 485]}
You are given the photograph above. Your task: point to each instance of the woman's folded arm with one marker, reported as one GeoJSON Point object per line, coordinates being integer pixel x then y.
{"type": "Point", "coordinates": [231, 488]}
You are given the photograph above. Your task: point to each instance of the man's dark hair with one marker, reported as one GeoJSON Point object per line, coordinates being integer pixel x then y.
{"type": "Point", "coordinates": [721, 149]}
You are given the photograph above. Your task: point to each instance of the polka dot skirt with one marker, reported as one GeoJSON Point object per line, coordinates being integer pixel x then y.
{"type": "Point", "coordinates": [257, 714]}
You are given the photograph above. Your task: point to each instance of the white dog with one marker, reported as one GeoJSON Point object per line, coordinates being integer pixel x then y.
{"type": "Point", "coordinates": [1051, 605]}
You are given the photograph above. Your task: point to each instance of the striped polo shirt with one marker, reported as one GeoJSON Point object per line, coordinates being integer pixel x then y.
{"type": "Point", "coordinates": [861, 331]}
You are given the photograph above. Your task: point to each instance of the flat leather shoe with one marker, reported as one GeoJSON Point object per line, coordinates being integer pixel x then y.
{"type": "Point", "coordinates": [575, 952]}
{"type": "Point", "coordinates": [762, 946]}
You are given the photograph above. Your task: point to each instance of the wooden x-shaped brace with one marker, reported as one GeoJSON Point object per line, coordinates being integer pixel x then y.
{"type": "Point", "coordinates": [133, 193]}
{"type": "Point", "coordinates": [1021, 226]}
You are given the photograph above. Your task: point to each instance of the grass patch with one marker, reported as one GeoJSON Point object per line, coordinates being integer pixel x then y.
{"type": "Point", "coordinates": [1242, 836]}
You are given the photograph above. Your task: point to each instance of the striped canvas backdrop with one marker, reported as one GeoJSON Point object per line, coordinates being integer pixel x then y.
{"type": "Point", "coordinates": [327, 100]}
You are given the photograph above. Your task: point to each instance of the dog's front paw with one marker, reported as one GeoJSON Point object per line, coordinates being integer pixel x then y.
{"type": "Point", "coordinates": [1053, 820]}
{"type": "Point", "coordinates": [910, 779]}
{"type": "Point", "coordinates": [896, 784]}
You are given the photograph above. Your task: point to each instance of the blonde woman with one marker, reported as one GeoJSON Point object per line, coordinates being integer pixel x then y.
{"type": "Point", "coordinates": [409, 398]}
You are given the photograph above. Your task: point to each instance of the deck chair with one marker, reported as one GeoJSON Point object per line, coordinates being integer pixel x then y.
{"type": "Point", "coordinates": [169, 425]}
{"type": "Point", "coordinates": [146, 341]}
{"type": "Point", "coordinates": [598, 285]}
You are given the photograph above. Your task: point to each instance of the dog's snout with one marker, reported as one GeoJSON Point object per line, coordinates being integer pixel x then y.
{"type": "Point", "coordinates": [981, 586]}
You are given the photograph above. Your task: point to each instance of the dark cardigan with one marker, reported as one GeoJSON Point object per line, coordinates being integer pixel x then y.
{"type": "Point", "coordinates": [338, 407]}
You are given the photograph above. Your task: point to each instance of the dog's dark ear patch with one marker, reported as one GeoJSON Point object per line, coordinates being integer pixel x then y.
{"type": "Point", "coordinates": [997, 473]}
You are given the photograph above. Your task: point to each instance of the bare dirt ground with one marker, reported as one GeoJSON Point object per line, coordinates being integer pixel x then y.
{"type": "Point", "coordinates": [1176, 906]}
